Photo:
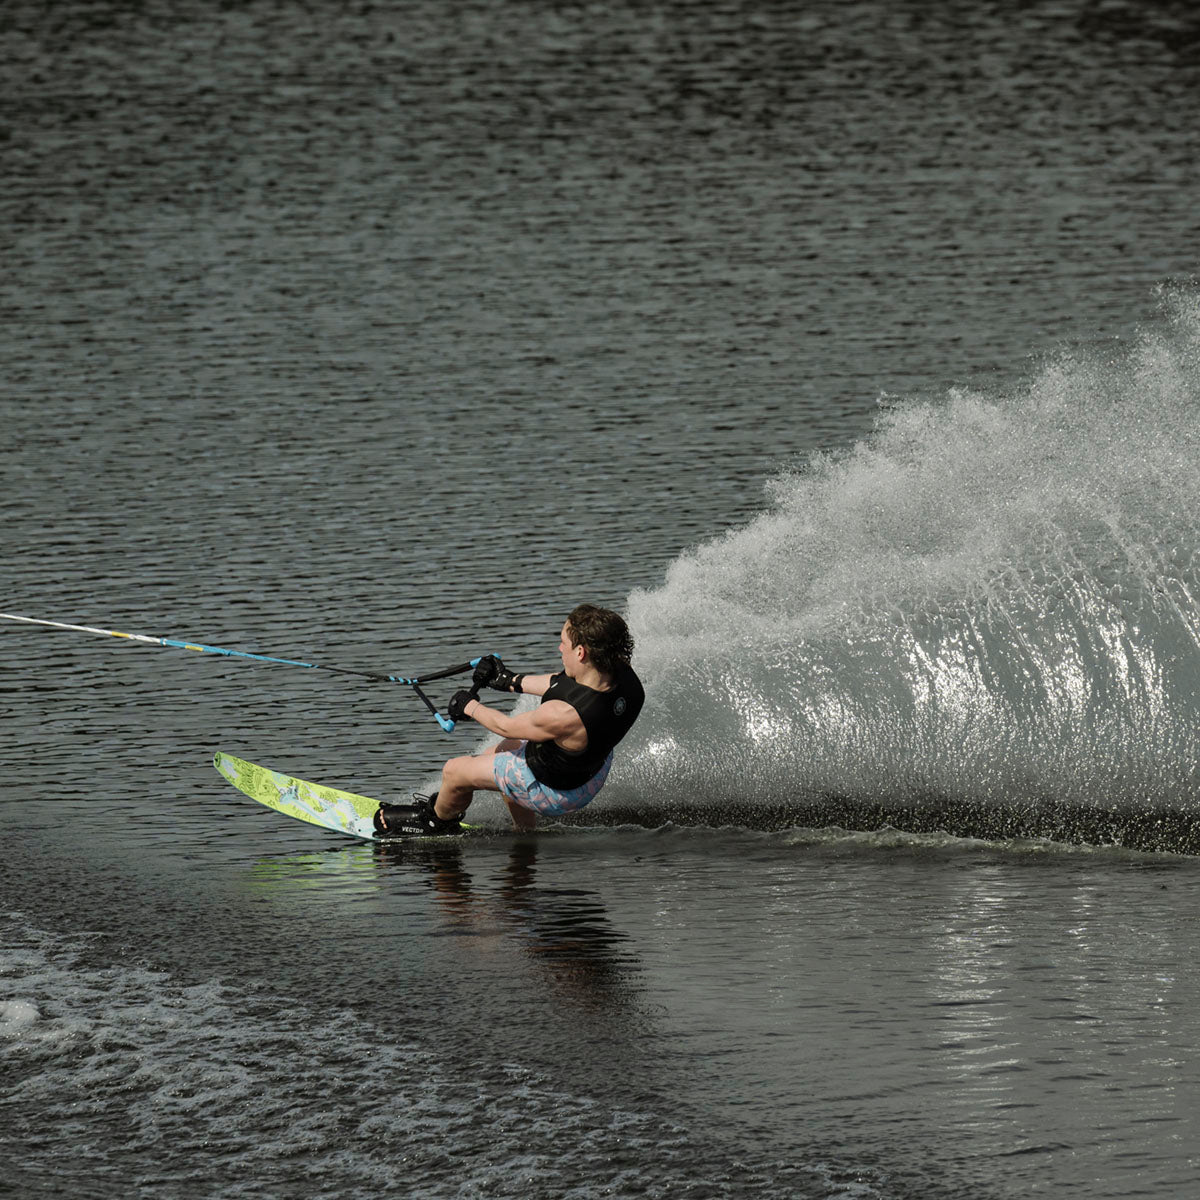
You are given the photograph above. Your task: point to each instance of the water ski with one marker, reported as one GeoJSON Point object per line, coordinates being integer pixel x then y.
{"type": "Point", "coordinates": [340, 812]}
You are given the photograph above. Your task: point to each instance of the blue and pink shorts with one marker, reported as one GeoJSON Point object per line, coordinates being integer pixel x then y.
{"type": "Point", "coordinates": [515, 780]}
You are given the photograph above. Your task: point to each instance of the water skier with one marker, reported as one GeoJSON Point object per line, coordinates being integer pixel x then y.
{"type": "Point", "coordinates": [553, 759]}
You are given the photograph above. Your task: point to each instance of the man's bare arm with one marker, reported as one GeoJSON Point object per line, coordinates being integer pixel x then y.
{"type": "Point", "coordinates": [554, 721]}
{"type": "Point", "coordinates": [535, 685]}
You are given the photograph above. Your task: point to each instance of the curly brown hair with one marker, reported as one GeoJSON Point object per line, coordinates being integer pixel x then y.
{"type": "Point", "coordinates": [604, 634]}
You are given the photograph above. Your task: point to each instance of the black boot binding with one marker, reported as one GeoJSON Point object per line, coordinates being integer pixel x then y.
{"type": "Point", "coordinates": [414, 820]}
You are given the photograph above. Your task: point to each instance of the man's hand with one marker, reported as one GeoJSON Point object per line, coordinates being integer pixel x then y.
{"type": "Point", "coordinates": [492, 673]}
{"type": "Point", "coordinates": [456, 709]}
{"type": "Point", "coordinates": [488, 667]}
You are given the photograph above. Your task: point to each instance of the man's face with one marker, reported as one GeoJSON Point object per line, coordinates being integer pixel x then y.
{"type": "Point", "coordinates": [572, 656]}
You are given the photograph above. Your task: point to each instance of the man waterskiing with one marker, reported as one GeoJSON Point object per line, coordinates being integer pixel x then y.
{"type": "Point", "coordinates": [553, 759]}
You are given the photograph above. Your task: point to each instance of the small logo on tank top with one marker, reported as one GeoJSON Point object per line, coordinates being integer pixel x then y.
{"type": "Point", "coordinates": [619, 706]}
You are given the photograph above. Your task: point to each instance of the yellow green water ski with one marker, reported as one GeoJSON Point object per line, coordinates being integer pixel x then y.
{"type": "Point", "coordinates": [342, 812]}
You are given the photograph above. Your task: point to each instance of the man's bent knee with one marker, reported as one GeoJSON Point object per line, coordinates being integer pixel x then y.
{"type": "Point", "coordinates": [469, 771]}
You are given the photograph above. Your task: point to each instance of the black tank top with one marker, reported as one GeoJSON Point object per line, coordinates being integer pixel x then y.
{"type": "Point", "coordinates": [607, 717]}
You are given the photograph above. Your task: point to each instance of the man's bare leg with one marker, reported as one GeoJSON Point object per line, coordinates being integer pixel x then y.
{"type": "Point", "coordinates": [463, 777]}
{"type": "Point", "coordinates": [523, 818]}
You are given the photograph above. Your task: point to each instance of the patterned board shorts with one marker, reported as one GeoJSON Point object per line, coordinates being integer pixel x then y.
{"type": "Point", "coordinates": [515, 779]}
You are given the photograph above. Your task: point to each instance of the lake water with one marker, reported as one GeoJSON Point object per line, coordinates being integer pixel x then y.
{"type": "Point", "coordinates": [852, 350]}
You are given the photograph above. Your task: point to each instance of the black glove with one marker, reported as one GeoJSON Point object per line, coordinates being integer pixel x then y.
{"type": "Point", "coordinates": [458, 702]}
{"type": "Point", "coordinates": [488, 667]}
{"type": "Point", "coordinates": [492, 673]}
{"type": "Point", "coordinates": [505, 680]}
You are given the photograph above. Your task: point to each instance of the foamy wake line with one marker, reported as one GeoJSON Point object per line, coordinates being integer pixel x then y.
{"type": "Point", "coordinates": [992, 600]}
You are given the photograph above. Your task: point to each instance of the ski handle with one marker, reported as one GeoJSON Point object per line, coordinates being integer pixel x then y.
{"type": "Point", "coordinates": [415, 684]}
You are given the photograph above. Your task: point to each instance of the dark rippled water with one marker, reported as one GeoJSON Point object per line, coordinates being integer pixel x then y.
{"type": "Point", "coordinates": [378, 336]}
